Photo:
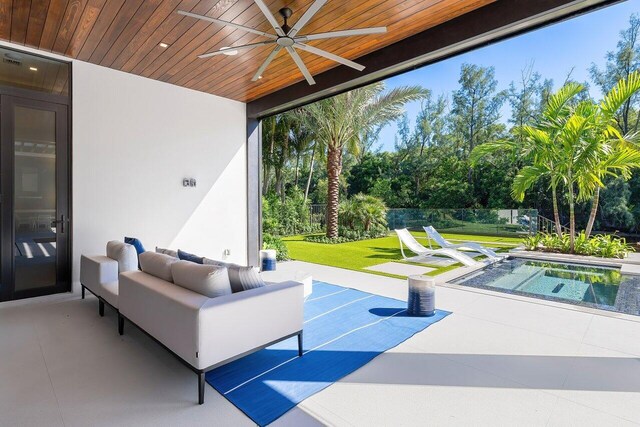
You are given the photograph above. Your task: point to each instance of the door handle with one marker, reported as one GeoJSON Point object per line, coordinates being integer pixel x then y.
{"type": "Point", "coordinates": [60, 221]}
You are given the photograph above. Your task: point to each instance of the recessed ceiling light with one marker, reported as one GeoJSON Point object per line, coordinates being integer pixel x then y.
{"type": "Point", "coordinates": [33, 68]}
{"type": "Point", "coordinates": [163, 45]}
{"type": "Point", "coordinates": [259, 77]}
{"type": "Point", "coordinates": [229, 51]}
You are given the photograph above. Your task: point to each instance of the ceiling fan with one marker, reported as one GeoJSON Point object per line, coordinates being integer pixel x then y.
{"type": "Point", "coordinates": [287, 37]}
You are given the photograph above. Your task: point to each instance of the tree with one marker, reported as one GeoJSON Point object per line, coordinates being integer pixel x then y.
{"type": "Point", "coordinates": [476, 106]}
{"type": "Point", "coordinates": [431, 122]}
{"type": "Point", "coordinates": [475, 110]}
{"type": "Point", "coordinates": [538, 147]}
{"type": "Point", "coordinates": [276, 150]}
{"type": "Point", "coordinates": [524, 98]}
{"type": "Point", "coordinates": [301, 139]}
{"type": "Point", "coordinates": [620, 65]}
{"type": "Point", "coordinates": [340, 122]}
{"type": "Point", "coordinates": [576, 144]}
{"type": "Point", "coordinates": [607, 152]}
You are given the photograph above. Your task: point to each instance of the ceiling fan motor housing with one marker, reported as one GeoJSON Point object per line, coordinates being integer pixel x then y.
{"type": "Point", "coordinates": [286, 13]}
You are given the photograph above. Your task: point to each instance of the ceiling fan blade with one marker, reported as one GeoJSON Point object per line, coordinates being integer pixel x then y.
{"type": "Point", "coordinates": [343, 33]}
{"type": "Point", "coordinates": [229, 24]}
{"type": "Point", "coordinates": [272, 20]}
{"type": "Point", "coordinates": [301, 66]}
{"type": "Point", "coordinates": [312, 10]}
{"type": "Point", "coordinates": [330, 56]}
{"type": "Point", "coordinates": [266, 63]}
{"type": "Point", "coordinates": [232, 48]}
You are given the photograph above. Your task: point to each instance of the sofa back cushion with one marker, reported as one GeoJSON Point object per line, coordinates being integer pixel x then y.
{"type": "Point", "coordinates": [241, 278]}
{"type": "Point", "coordinates": [124, 254]}
{"type": "Point", "coordinates": [158, 265]}
{"type": "Point", "coordinates": [208, 280]}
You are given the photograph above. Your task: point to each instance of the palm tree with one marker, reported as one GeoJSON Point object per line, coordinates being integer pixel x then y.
{"type": "Point", "coordinates": [539, 146]}
{"type": "Point", "coordinates": [340, 121]}
{"type": "Point", "coordinates": [276, 149]}
{"type": "Point", "coordinates": [576, 144]}
{"type": "Point", "coordinates": [613, 154]}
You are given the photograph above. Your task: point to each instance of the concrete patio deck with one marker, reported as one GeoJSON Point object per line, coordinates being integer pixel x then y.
{"type": "Point", "coordinates": [497, 360]}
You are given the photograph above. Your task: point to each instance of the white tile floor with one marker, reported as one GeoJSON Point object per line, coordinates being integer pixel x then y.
{"type": "Point", "coordinates": [400, 269]}
{"type": "Point", "coordinates": [495, 361]}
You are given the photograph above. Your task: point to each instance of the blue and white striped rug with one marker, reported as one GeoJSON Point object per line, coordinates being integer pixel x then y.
{"type": "Point", "coordinates": [344, 329]}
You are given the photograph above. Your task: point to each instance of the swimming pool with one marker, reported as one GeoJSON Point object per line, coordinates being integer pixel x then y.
{"type": "Point", "coordinates": [593, 286]}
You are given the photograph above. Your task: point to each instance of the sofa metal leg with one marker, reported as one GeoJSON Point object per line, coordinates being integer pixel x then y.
{"type": "Point", "coordinates": [300, 344]}
{"type": "Point", "coordinates": [83, 292]}
{"type": "Point", "coordinates": [120, 324]}
{"type": "Point", "coordinates": [200, 388]}
{"type": "Point", "coordinates": [101, 308]}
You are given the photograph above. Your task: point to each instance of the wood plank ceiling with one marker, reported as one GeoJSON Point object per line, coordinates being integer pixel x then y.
{"type": "Point", "coordinates": [126, 35]}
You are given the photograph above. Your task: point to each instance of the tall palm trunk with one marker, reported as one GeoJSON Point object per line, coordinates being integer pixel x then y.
{"type": "Point", "coordinates": [313, 157]}
{"type": "Point", "coordinates": [556, 212]}
{"type": "Point", "coordinates": [295, 182]}
{"type": "Point", "coordinates": [266, 180]}
{"type": "Point", "coordinates": [572, 217]}
{"type": "Point", "coordinates": [594, 211]}
{"type": "Point", "coordinates": [334, 168]}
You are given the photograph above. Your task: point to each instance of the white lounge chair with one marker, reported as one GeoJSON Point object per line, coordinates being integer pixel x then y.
{"type": "Point", "coordinates": [432, 234]}
{"type": "Point", "coordinates": [406, 239]}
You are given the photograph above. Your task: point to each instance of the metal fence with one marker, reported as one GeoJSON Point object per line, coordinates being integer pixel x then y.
{"type": "Point", "coordinates": [318, 216]}
{"type": "Point", "coordinates": [492, 222]}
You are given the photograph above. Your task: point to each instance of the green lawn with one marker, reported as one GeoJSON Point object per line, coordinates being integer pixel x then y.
{"type": "Point", "coordinates": [366, 253]}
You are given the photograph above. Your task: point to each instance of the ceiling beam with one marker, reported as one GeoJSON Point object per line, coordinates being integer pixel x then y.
{"type": "Point", "coordinates": [489, 24]}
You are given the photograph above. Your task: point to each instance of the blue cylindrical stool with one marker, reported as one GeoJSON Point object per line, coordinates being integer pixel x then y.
{"type": "Point", "coordinates": [268, 259]}
{"type": "Point", "coordinates": [422, 296]}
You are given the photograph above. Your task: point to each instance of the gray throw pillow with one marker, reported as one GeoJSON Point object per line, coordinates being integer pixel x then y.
{"type": "Point", "coordinates": [158, 265]}
{"type": "Point", "coordinates": [208, 280]}
{"type": "Point", "coordinates": [169, 252]}
{"type": "Point", "coordinates": [241, 278]}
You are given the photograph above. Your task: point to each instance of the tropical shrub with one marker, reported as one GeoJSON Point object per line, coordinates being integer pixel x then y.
{"type": "Point", "coordinates": [601, 245]}
{"type": "Point", "coordinates": [347, 236]}
{"type": "Point", "coordinates": [273, 242]}
{"type": "Point", "coordinates": [363, 213]}
{"type": "Point", "coordinates": [288, 217]}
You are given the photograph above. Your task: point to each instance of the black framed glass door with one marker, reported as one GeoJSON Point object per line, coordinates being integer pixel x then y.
{"type": "Point", "coordinates": [34, 208]}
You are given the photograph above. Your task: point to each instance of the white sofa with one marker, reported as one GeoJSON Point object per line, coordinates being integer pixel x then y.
{"type": "Point", "coordinates": [203, 332]}
{"type": "Point", "coordinates": [99, 273]}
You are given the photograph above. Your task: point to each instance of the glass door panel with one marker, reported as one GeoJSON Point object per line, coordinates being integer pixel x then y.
{"type": "Point", "coordinates": [34, 182]}
{"type": "Point", "coordinates": [34, 198]}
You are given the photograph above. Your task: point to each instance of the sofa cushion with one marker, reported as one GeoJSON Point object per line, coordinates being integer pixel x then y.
{"type": "Point", "coordinates": [241, 278]}
{"type": "Point", "coordinates": [158, 265]}
{"type": "Point", "coordinates": [124, 254]}
{"type": "Point", "coordinates": [186, 256]}
{"type": "Point", "coordinates": [209, 280]}
{"type": "Point", "coordinates": [169, 252]}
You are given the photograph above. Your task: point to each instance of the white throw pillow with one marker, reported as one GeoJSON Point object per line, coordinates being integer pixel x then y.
{"type": "Point", "coordinates": [158, 265]}
{"type": "Point", "coordinates": [125, 254]}
{"type": "Point", "coordinates": [208, 280]}
{"type": "Point", "coordinates": [241, 278]}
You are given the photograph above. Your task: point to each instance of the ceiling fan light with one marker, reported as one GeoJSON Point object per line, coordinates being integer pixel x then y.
{"type": "Point", "coordinates": [228, 51]}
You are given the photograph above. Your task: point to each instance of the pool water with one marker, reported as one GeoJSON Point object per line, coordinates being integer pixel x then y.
{"type": "Point", "coordinates": [582, 284]}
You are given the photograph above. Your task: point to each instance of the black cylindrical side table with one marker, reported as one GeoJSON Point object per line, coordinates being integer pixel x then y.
{"type": "Point", "coordinates": [422, 296]}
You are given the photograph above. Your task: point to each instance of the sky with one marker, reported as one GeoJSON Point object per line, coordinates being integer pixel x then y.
{"type": "Point", "coordinates": [554, 51]}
